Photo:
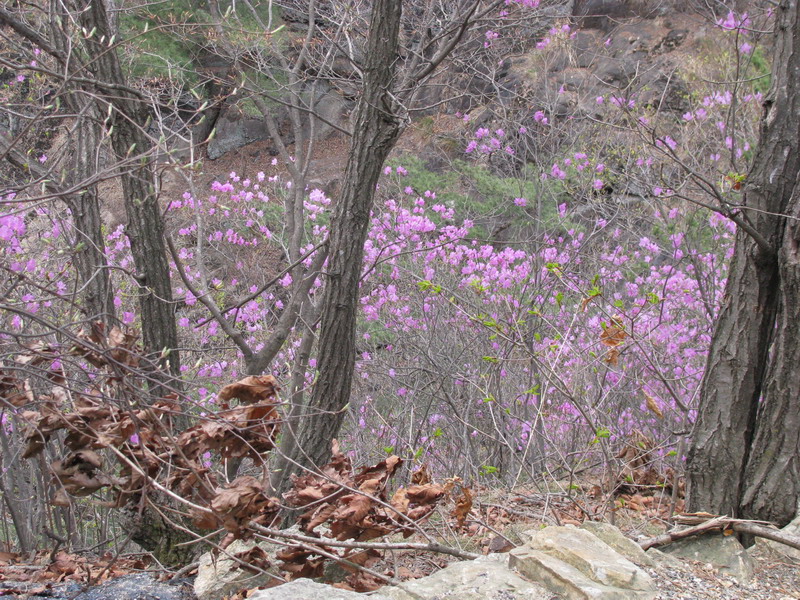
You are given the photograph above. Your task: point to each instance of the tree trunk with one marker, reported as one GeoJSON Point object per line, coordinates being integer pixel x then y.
{"type": "Point", "coordinates": [145, 229]}
{"type": "Point", "coordinates": [772, 477]}
{"type": "Point", "coordinates": [377, 128]}
{"type": "Point", "coordinates": [742, 445]}
{"type": "Point", "coordinates": [89, 256]}
{"type": "Point", "coordinates": [732, 386]}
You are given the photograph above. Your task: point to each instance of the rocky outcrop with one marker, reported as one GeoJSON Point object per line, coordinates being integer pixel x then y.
{"type": "Point", "coordinates": [577, 565]}
{"type": "Point", "coordinates": [306, 589]}
{"type": "Point", "coordinates": [486, 577]}
{"type": "Point", "coordinates": [615, 538]}
{"type": "Point", "coordinates": [236, 128]}
{"type": "Point", "coordinates": [567, 562]}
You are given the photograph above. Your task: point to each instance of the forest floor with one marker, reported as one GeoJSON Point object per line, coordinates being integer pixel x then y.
{"type": "Point", "coordinates": [499, 518]}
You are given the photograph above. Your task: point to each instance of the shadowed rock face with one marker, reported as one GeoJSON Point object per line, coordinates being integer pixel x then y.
{"type": "Point", "coordinates": [607, 14]}
{"type": "Point", "coordinates": [601, 14]}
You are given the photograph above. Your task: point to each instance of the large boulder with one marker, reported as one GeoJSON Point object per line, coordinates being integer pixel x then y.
{"type": "Point", "coordinates": [136, 586]}
{"type": "Point", "coordinates": [233, 130]}
{"type": "Point", "coordinates": [783, 551]}
{"type": "Point", "coordinates": [485, 577]}
{"type": "Point", "coordinates": [723, 552]}
{"type": "Point", "coordinates": [616, 539]}
{"type": "Point", "coordinates": [577, 565]}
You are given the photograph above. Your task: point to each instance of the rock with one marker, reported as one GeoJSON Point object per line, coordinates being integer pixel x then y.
{"type": "Point", "coordinates": [565, 580]}
{"type": "Point", "coordinates": [135, 587]}
{"type": "Point", "coordinates": [219, 576]}
{"type": "Point", "coordinates": [782, 550]}
{"type": "Point", "coordinates": [332, 109]}
{"type": "Point", "coordinates": [615, 538]}
{"type": "Point", "coordinates": [591, 556]}
{"type": "Point", "coordinates": [305, 589]}
{"type": "Point", "coordinates": [577, 564]}
{"type": "Point", "coordinates": [234, 130]}
{"type": "Point", "coordinates": [723, 552]}
{"type": "Point", "coordinates": [618, 72]}
{"type": "Point", "coordinates": [485, 577]}
{"type": "Point", "coordinates": [662, 559]}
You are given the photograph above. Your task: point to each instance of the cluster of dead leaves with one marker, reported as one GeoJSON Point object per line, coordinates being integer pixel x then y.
{"type": "Point", "coordinates": [344, 505]}
{"type": "Point", "coordinates": [113, 440]}
{"type": "Point", "coordinates": [613, 336]}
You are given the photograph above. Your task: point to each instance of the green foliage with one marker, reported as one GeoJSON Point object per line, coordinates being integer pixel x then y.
{"type": "Point", "coordinates": [762, 69]}
{"type": "Point", "coordinates": [167, 38]}
{"type": "Point", "coordinates": [477, 194]}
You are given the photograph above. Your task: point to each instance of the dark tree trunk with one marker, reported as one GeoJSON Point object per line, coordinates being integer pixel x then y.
{"type": "Point", "coordinates": [732, 385]}
{"type": "Point", "coordinates": [772, 477]}
{"type": "Point", "coordinates": [377, 128]}
{"type": "Point", "coordinates": [743, 458]}
{"type": "Point", "coordinates": [89, 255]}
{"type": "Point", "coordinates": [145, 229]}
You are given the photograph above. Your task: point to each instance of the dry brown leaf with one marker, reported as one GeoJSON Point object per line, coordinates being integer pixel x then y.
{"type": "Point", "coordinates": [421, 476]}
{"type": "Point", "coordinates": [612, 357]}
{"type": "Point", "coordinates": [585, 302]}
{"type": "Point", "coordinates": [425, 494]}
{"type": "Point", "coordinates": [614, 334]}
{"type": "Point", "coordinates": [251, 389]}
{"type": "Point", "coordinates": [651, 404]}
{"type": "Point", "coordinates": [463, 506]}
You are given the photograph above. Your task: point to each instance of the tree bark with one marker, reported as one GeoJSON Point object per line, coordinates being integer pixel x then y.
{"type": "Point", "coordinates": [132, 148]}
{"type": "Point", "coordinates": [772, 476]}
{"type": "Point", "coordinates": [377, 128]}
{"type": "Point", "coordinates": [89, 255]}
{"type": "Point", "coordinates": [742, 445]}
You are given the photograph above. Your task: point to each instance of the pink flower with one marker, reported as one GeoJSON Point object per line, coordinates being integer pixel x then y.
{"type": "Point", "coordinates": [520, 201]}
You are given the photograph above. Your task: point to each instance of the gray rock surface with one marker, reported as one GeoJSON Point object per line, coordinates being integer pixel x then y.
{"type": "Point", "coordinates": [578, 565]}
{"type": "Point", "coordinates": [139, 586]}
{"type": "Point", "coordinates": [616, 539]}
{"type": "Point", "coordinates": [486, 578]}
{"type": "Point", "coordinates": [591, 556]}
{"type": "Point", "coordinates": [782, 551]}
{"type": "Point", "coordinates": [723, 552]}
{"type": "Point", "coordinates": [662, 559]}
{"type": "Point", "coordinates": [219, 575]}
{"type": "Point", "coordinates": [234, 130]}
{"type": "Point", "coordinates": [565, 580]}
{"type": "Point", "coordinates": [306, 589]}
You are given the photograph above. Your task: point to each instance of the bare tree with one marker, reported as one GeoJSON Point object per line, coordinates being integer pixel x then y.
{"type": "Point", "coordinates": [84, 48]}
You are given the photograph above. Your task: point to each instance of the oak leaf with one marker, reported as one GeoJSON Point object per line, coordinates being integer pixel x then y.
{"type": "Point", "coordinates": [251, 389]}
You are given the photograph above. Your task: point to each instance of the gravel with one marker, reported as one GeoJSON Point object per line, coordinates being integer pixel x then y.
{"type": "Point", "coordinates": [773, 580]}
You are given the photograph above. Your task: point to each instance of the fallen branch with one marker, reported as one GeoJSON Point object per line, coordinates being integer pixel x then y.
{"type": "Point", "coordinates": [674, 536]}
{"type": "Point", "coordinates": [776, 535]}
{"type": "Point", "coordinates": [320, 541]}
{"type": "Point", "coordinates": [708, 522]}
